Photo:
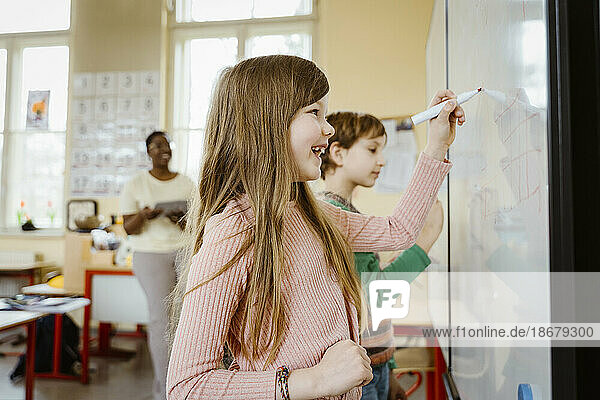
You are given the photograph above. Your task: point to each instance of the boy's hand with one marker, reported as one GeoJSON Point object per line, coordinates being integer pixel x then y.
{"type": "Point", "coordinates": [432, 228]}
{"type": "Point", "coordinates": [442, 129]}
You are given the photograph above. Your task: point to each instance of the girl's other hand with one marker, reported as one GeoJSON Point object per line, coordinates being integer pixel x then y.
{"type": "Point", "coordinates": [442, 129]}
{"type": "Point", "coordinates": [344, 366]}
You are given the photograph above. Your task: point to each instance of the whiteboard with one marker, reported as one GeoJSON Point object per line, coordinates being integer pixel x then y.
{"type": "Point", "coordinates": [498, 189]}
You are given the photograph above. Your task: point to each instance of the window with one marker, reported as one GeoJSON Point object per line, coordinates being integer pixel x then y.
{"type": "Point", "coordinates": [224, 10]}
{"type": "Point", "coordinates": [2, 103]}
{"type": "Point", "coordinates": [229, 31]}
{"type": "Point", "coordinates": [34, 74]}
{"type": "Point", "coordinates": [204, 70]}
{"type": "Point", "coordinates": [295, 44]}
{"type": "Point", "coordinates": [2, 88]}
{"type": "Point", "coordinates": [39, 185]}
{"type": "Point", "coordinates": [533, 53]}
{"type": "Point", "coordinates": [34, 15]}
{"type": "Point", "coordinates": [46, 68]}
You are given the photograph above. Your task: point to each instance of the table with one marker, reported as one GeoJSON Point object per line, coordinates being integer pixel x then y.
{"type": "Point", "coordinates": [26, 270]}
{"type": "Point", "coordinates": [435, 384]}
{"type": "Point", "coordinates": [58, 311]}
{"type": "Point", "coordinates": [43, 289]}
{"type": "Point", "coordinates": [116, 296]}
{"type": "Point", "coordinates": [13, 319]}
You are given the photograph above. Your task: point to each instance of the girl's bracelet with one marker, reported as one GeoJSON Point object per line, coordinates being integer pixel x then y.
{"type": "Point", "coordinates": [282, 375]}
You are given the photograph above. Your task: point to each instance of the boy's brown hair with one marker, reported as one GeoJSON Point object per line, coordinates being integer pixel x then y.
{"type": "Point", "coordinates": [349, 127]}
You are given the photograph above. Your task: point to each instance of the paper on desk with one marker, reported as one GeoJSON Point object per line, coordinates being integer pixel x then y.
{"type": "Point", "coordinates": [52, 305]}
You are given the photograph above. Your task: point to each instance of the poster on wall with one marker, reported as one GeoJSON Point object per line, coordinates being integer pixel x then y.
{"type": "Point", "coordinates": [37, 109]}
{"type": "Point", "coordinates": [112, 113]}
{"type": "Point", "coordinates": [400, 154]}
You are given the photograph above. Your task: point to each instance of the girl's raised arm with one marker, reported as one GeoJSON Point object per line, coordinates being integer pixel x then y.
{"type": "Point", "coordinates": [399, 230]}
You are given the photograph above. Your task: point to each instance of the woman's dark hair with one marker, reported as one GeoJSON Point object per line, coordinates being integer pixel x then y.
{"type": "Point", "coordinates": [155, 134]}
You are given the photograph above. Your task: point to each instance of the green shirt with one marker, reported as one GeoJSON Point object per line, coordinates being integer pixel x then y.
{"type": "Point", "coordinates": [411, 263]}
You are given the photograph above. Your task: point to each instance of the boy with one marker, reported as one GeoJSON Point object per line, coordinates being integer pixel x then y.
{"type": "Point", "coordinates": [354, 158]}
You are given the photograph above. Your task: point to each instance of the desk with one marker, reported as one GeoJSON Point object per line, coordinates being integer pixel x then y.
{"type": "Point", "coordinates": [57, 311]}
{"type": "Point", "coordinates": [43, 289]}
{"type": "Point", "coordinates": [116, 296]}
{"type": "Point", "coordinates": [424, 311]}
{"type": "Point", "coordinates": [27, 270]}
{"type": "Point", "coordinates": [12, 319]}
{"type": "Point", "coordinates": [435, 384]}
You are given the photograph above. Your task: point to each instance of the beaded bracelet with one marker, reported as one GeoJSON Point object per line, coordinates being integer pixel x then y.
{"type": "Point", "coordinates": [282, 375]}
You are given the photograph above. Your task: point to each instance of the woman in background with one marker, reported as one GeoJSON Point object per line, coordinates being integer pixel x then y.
{"type": "Point", "coordinates": [155, 236]}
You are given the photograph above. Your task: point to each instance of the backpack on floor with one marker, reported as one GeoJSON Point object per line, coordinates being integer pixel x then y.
{"type": "Point", "coordinates": [44, 348]}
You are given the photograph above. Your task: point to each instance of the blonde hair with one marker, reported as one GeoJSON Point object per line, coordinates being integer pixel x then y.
{"type": "Point", "coordinates": [247, 151]}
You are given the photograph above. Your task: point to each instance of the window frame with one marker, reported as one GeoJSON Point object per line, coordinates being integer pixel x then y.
{"type": "Point", "coordinates": [15, 43]}
{"type": "Point", "coordinates": [181, 33]}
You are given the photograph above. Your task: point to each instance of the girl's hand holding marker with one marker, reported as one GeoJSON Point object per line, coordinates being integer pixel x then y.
{"type": "Point", "coordinates": [442, 129]}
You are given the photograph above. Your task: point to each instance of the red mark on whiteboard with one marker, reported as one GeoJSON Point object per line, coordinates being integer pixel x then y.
{"type": "Point", "coordinates": [518, 126]}
{"type": "Point", "coordinates": [506, 109]}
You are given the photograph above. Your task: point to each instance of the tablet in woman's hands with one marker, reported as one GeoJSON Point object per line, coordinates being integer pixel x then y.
{"type": "Point", "coordinates": [172, 206]}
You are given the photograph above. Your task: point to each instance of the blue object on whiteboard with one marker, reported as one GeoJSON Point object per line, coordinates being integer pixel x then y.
{"type": "Point", "coordinates": [525, 392]}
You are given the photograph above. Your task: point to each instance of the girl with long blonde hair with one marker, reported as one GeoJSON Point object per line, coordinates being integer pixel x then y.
{"type": "Point", "coordinates": [271, 270]}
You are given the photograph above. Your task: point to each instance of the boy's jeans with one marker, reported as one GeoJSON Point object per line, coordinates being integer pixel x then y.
{"type": "Point", "coordinates": [379, 387]}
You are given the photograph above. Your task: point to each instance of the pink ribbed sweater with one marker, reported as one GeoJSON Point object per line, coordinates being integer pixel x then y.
{"type": "Point", "coordinates": [318, 316]}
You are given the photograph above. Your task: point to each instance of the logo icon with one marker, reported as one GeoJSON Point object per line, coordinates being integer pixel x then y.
{"type": "Point", "coordinates": [388, 299]}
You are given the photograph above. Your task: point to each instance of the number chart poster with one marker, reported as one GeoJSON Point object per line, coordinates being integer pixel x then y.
{"type": "Point", "coordinates": [112, 113]}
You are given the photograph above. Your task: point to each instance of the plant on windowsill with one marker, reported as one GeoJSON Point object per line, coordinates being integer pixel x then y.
{"type": "Point", "coordinates": [29, 226]}
{"type": "Point", "coordinates": [21, 214]}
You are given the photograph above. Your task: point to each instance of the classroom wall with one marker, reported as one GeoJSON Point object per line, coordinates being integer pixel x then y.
{"type": "Point", "coordinates": [111, 35]}
{"type": "Point", "coordinates": [374, 55]}
{"type": "Point", "coordinates": [372, 52]}
{"type": "Point", "coordinates": [116, 35]}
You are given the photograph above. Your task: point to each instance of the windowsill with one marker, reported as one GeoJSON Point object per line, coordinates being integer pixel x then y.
{"type": "Point", "coordinates": [42, 233]}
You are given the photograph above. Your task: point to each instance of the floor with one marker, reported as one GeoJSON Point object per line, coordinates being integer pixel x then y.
{"type": "Point", "coordinates": [110, 379]}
